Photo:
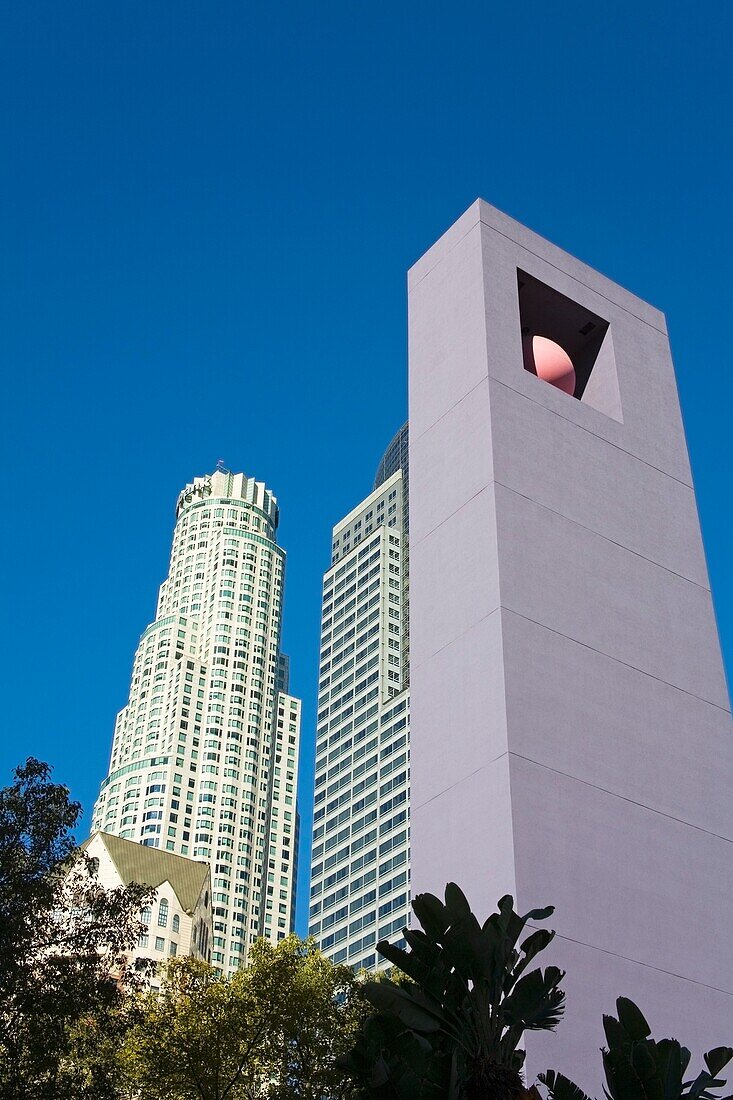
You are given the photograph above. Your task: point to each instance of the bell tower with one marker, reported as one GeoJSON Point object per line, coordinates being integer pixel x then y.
{"type": "Point", "coordinates": [571, 738]}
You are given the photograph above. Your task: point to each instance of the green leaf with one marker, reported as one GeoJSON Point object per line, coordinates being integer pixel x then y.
{"type": "Point", "coordinates": [506, 912]}
{"type": "Point", "coordinates": [553, 975]}
{"type": "Point", "coordinates": [717, 1058]}
{"type": "Point", "coordinates": [535, 943]}
{"type": "Point", "coordinates": [623, 1080]}
{"type": "Point", "coordinates": [632, 1019]}
{"type": "Point", "coordinates": [462, 947]}
{"type": "Point", "coordinates": [536, 1002]}
{"type": "Point", "coordinates": [670, 1068]}
{"type": "Point", "coordinates": [644, 1064]}
{"type": "Point", "coordinates": [432, 914]}
{"type": "Point", "coordinates": [456, 902]}
{"type": "Point", "coordinates": [396, 956]}
{"type": "Point", "coordinates": [539, 914]}
{"type": "Point", "coordinates": [417, 939]}
{"type": "Point", "coordinates": [560, 1087]}
{"type": "Point", "coordinates": [702, 1082]}
{"type": "Point", "coordinates": [615, 1032]}
{"type": "Point", "coordinates": [424, 950]}
{"type": "Point", "coordinates": [411, 1007]}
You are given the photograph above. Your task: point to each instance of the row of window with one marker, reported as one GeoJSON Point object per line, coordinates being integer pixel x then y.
{"type": "Point", "coordinates": [163, 907]}
{"type": "Point", "coordinates": [159, 943]}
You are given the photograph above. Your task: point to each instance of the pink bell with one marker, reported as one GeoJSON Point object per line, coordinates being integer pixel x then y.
{"type": "Point", "coordinates": [549, 362]}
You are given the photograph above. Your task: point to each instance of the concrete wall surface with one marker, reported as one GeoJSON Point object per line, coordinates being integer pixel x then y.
{"type": "Point", "coordinates": [571, 737]}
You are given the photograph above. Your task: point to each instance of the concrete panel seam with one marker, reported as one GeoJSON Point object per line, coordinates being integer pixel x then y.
{"type": "Point", "coordinates": [575, 279]}
{"type": "Point", "coordinates": [600, 535]}
{"type": "Point", "coordinates": [453, 514]}
{"type": "Point", "coordinates": [450, 410]}
{"type": "Point", "coordinates": [412, 286]}
{"type": "Point", "coordinates": [638, 962]}
{"type": "Point", "coordinates": [582, 428]}
{"type": "Point", "coordinates": [610, 657]}
{"type": "Point", "coordinates": [623, 797]}
{"type": "Point", "coordinates": [457, 637]}
{"type": "Point", "coordinates": [463, 779]}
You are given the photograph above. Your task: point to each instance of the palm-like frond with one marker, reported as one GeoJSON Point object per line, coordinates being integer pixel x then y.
{"type": "Point", "coordinates": [471, 1000]}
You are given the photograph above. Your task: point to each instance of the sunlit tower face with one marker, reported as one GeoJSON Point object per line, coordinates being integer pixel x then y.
{"type": "Point", "coordinates": [511, 477]}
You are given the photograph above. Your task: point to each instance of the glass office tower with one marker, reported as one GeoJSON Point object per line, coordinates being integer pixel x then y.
{"type": "Point", "coordinates": [360, 872]}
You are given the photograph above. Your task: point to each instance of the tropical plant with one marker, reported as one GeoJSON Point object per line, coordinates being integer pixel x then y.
{"type": "Point", "coordinates": [637, 1067]}
{"type": "Point", "coordinates": [455, 1031]}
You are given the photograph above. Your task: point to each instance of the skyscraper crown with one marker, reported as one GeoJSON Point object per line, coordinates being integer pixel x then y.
{"type": "Point", "coordinates": [224, 485]}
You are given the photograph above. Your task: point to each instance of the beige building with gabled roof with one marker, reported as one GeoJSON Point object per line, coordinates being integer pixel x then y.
{"type": "Point", "coordinates": [178, 920]}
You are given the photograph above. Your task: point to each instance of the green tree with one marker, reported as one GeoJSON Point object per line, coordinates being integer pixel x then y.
{"type": "Point", "coordinates": [61, 934]}
{"type": "Point", "coordinates": [323, 1011]}
{"type": "Point", "coordinates": [274, 1029]}
{"type": "Point", "coordinates": [637, 1067]}
{"type": "Point", "coordinates": [455, 1032]}
{"type": "Point", "coordinates": [91, 1067]}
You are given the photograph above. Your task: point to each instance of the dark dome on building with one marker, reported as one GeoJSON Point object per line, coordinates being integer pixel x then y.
{"type": "Point", "coordinates": [394, 458]}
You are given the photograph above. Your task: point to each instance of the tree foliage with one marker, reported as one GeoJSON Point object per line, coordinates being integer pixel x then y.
{"type": "Point", "coordinates": [273, 1030]}
{"type": "Point", "coordinates": [61, 934]}
{"type": "Point", "coordinates": [456, 1030]}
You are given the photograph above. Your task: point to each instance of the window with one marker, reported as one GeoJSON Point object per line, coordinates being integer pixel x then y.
{"type": "Point", "coordinates": [574, 352]}
{"type": "Point", "coordinates": [146, 915]}
{"type": "Point", "coordinates": [163, 913]}
{"type": "Point", "coordinates": [173, 949]}
{"type": "Point", "coordinates": [176, 923]}
{"type": "Point", "coordinates": [159, 943]}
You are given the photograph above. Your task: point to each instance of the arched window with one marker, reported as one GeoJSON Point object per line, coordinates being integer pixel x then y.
{"type": "Point", "coordinates": [146, 914]}
{"type": "Point", "coordinates": [176, 923]}
{"type": "Point", "coordinates": [163, 913]}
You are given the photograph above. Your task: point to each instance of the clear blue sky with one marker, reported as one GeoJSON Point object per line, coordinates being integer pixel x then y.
{"type": "Point", "coordinates": [208, 209]}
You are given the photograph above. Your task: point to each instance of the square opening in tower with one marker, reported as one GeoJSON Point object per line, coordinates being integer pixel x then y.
{"type": "Point", "coordinates": [567, 345]}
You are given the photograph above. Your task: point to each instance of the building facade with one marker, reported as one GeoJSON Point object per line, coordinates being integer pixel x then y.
{"type": "Point", "coordinates": [205, 752]}
{"type": "Point", "coordinates": [178, 921]}
{"type": "Point", "coordinates": [360, 870]}
{"type": "Point", "coordinates": [571, 736]}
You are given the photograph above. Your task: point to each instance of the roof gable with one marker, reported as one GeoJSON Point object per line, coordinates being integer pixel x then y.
{"type": "Point", "coordinates": [152, 867]}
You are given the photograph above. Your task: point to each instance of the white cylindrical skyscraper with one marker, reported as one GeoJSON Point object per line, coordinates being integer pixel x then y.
{"type": "Point", "coordinates": [205, 753]}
